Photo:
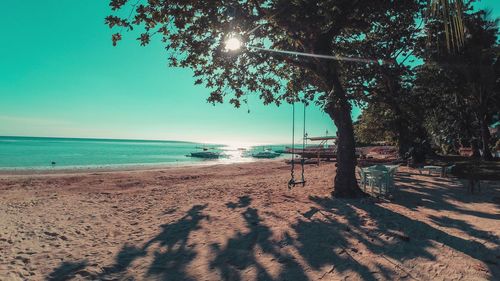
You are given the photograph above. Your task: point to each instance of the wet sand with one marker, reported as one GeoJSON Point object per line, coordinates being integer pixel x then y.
{"type": "Point", "coordinates": [240, 222]}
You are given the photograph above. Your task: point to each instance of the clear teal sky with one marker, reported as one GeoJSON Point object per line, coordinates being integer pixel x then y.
{"type": "Point", "coordinates": [60, 76]}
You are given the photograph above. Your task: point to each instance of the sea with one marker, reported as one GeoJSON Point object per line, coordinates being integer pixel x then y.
{"type": "Point", "coordinates": [41, 153]}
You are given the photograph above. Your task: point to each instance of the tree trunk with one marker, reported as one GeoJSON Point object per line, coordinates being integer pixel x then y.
{"type": "Point", "coordinates": [339, 109]}
{"type": "Point", "coordinates": [345, 183]}
{"type": "Point", "coordinates": [475, 148]}
{"type": "Point", "coordinates": [400, 123]}
{"type": "Point", "coordinates": [485, 137]}
{"type": "Point", "coordinates": [404, 142]}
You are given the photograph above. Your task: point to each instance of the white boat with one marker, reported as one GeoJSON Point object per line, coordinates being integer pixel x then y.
{"type": "Point", "coordinates": [206, 154]}
{"type": "Point", "coordinates": [266, 154]}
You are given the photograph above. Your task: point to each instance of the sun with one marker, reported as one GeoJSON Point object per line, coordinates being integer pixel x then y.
{"type": "Point", "coordinates": [233, 44]}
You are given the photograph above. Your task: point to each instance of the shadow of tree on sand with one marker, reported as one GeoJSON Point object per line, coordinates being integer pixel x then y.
{"type": "Point", "coordinates": [332, 235]}
{"type": "Point", "coordinates": [243, 201]}
{"type": "Point", "coordinates": [171, 261]}
{"type": "Point", "coordinates": [241, 251]}
{"type": "Point", "coordinates": [170, 258]}
{"type": "Point", "coordinates": [324, 243]}
{"type": "Point", "coordinates": [413, 237]}
{"type": "Point", "coordinates": [464, 226]}
{"type": "Point", "coordinates": [438, 194]}
{"type": "Point", "coordinates": [65, 270]}
{"type": "Point", "coordinates": [447, 194]}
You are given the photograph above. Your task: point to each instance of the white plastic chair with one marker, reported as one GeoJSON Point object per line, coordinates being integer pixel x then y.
{"type": "Point", "coordinates": [377, 178]}
{"type": "Point", "coordinates": [390, 177]}
{"type": "Point", "coordinates": [447, 170]}
{"type": "Point", "coordinates": [362, 178]}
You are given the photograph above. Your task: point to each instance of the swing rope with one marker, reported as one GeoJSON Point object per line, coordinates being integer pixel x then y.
{"type": "Point", "coordinates": [304, 139]}
{"type": "Point", "coordinates": [292, 181]}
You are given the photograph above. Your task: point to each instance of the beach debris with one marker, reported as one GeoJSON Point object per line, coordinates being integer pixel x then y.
{"type": "Point", "coordinates": [403, 237]}
{"type": "Point", "coordinates": [480, 267]}
{"type": "Point", "coordinates": [328, 272]}
{"type": "Point", "coordinates": [309, 214]}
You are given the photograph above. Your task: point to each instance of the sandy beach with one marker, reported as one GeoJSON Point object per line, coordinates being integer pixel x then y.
{"type": "Point", "coordinates": [240, 222]}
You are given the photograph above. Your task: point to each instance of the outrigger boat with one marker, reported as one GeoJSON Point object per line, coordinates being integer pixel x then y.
{"type": "Point", "coordinates": [321, 151]}
{"type": "Point", "coordinates": [205, 154]}
{"type": "Point", "coordinates": [266, 154]}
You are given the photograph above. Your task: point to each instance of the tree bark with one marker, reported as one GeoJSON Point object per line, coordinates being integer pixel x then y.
{"type": "Point", "coordinates": [345, 183]}
{"type": "Point", "coordinates": [485, 137]}
{"type": "Point", "coordinates": [339, 109]}
{"type": "Point", "coordinates": [403, 135]}
{"type": "Point", "coordinates": [393, 100]}
{"type": "Point", "coordinates": [475, 148]}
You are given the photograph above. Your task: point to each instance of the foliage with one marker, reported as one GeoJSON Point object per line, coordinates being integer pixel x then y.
{"type": "Point", "coordinates": [450, 14]}
{"type": "Point", "coordinates": [448, 99]}
{"type": "Point", "coordinates": [386, 87]}
{"type": "Point", "coordinates": [193, 32]}
{"type": "Point", "coordinates": [380, 122]}
{"type": "Point", "coordinates": [448, 119]}
{"type": "Point", "coordinates": [462, 89]}
{"type": "Point", "coordinates": [363, 35]}
{"type": "Point", "coordinates": [374, 125]}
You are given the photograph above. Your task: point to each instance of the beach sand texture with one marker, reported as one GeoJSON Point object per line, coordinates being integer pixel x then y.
{"type": "Point", "coordinates": [240, 222]}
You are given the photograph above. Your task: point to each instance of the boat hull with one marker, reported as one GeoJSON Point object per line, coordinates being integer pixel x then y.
{"type": "Point", "coordinates": [315, 152]}
{"type": "Point", "coordinates": [265, 155]}
{"type": "Point", "coordinates": [205, 155]}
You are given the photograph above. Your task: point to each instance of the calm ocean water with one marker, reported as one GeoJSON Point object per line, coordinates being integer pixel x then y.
{"type": "Point", "coordinates": [39, 153]}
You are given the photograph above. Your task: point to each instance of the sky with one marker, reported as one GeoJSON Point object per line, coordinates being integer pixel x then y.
{"type": "Point", "coordinates": [60, 76]}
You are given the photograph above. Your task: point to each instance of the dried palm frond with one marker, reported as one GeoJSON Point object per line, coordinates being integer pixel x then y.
{"type": "Point", "coordinates": [450, 13]}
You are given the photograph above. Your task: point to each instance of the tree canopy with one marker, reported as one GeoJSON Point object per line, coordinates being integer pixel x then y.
{"type": "Point", "coordinates": [454, 96]}
{"type": "Point", "coordinates": [194, 32]}
{"type": "Point", "coordinates": [357, 53]}
{"type": "Point", "coordinates": [362, 36]}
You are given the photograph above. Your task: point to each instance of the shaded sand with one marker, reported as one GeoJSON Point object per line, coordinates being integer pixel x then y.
{"type": "Point", "coordinates": [240, 222]}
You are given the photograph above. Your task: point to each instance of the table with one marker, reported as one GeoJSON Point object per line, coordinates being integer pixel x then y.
{"type": "Point", "coordinates": [379, 176]}
{"type": "Point", "coordinates": [431, 168]}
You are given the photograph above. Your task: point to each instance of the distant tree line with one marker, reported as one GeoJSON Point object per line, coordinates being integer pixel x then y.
{"type": "Point", "coordinates": [450, 99]}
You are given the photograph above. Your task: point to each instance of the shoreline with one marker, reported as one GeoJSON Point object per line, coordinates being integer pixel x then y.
{"type": "Point", "coordinates": [34, 155]}
{"type": "Point", "coordinates": [126, 168]}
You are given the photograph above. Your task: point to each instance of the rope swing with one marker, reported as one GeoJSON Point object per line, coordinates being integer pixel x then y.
{"type": "Point", "coordinates": [293, 182]}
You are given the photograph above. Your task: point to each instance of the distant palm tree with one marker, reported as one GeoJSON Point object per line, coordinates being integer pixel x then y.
{"type": "Point", "coordinates": [450, 12]}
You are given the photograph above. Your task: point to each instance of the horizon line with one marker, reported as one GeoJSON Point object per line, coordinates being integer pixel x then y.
{"type": "Point", "coordinates": [138, 139]}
